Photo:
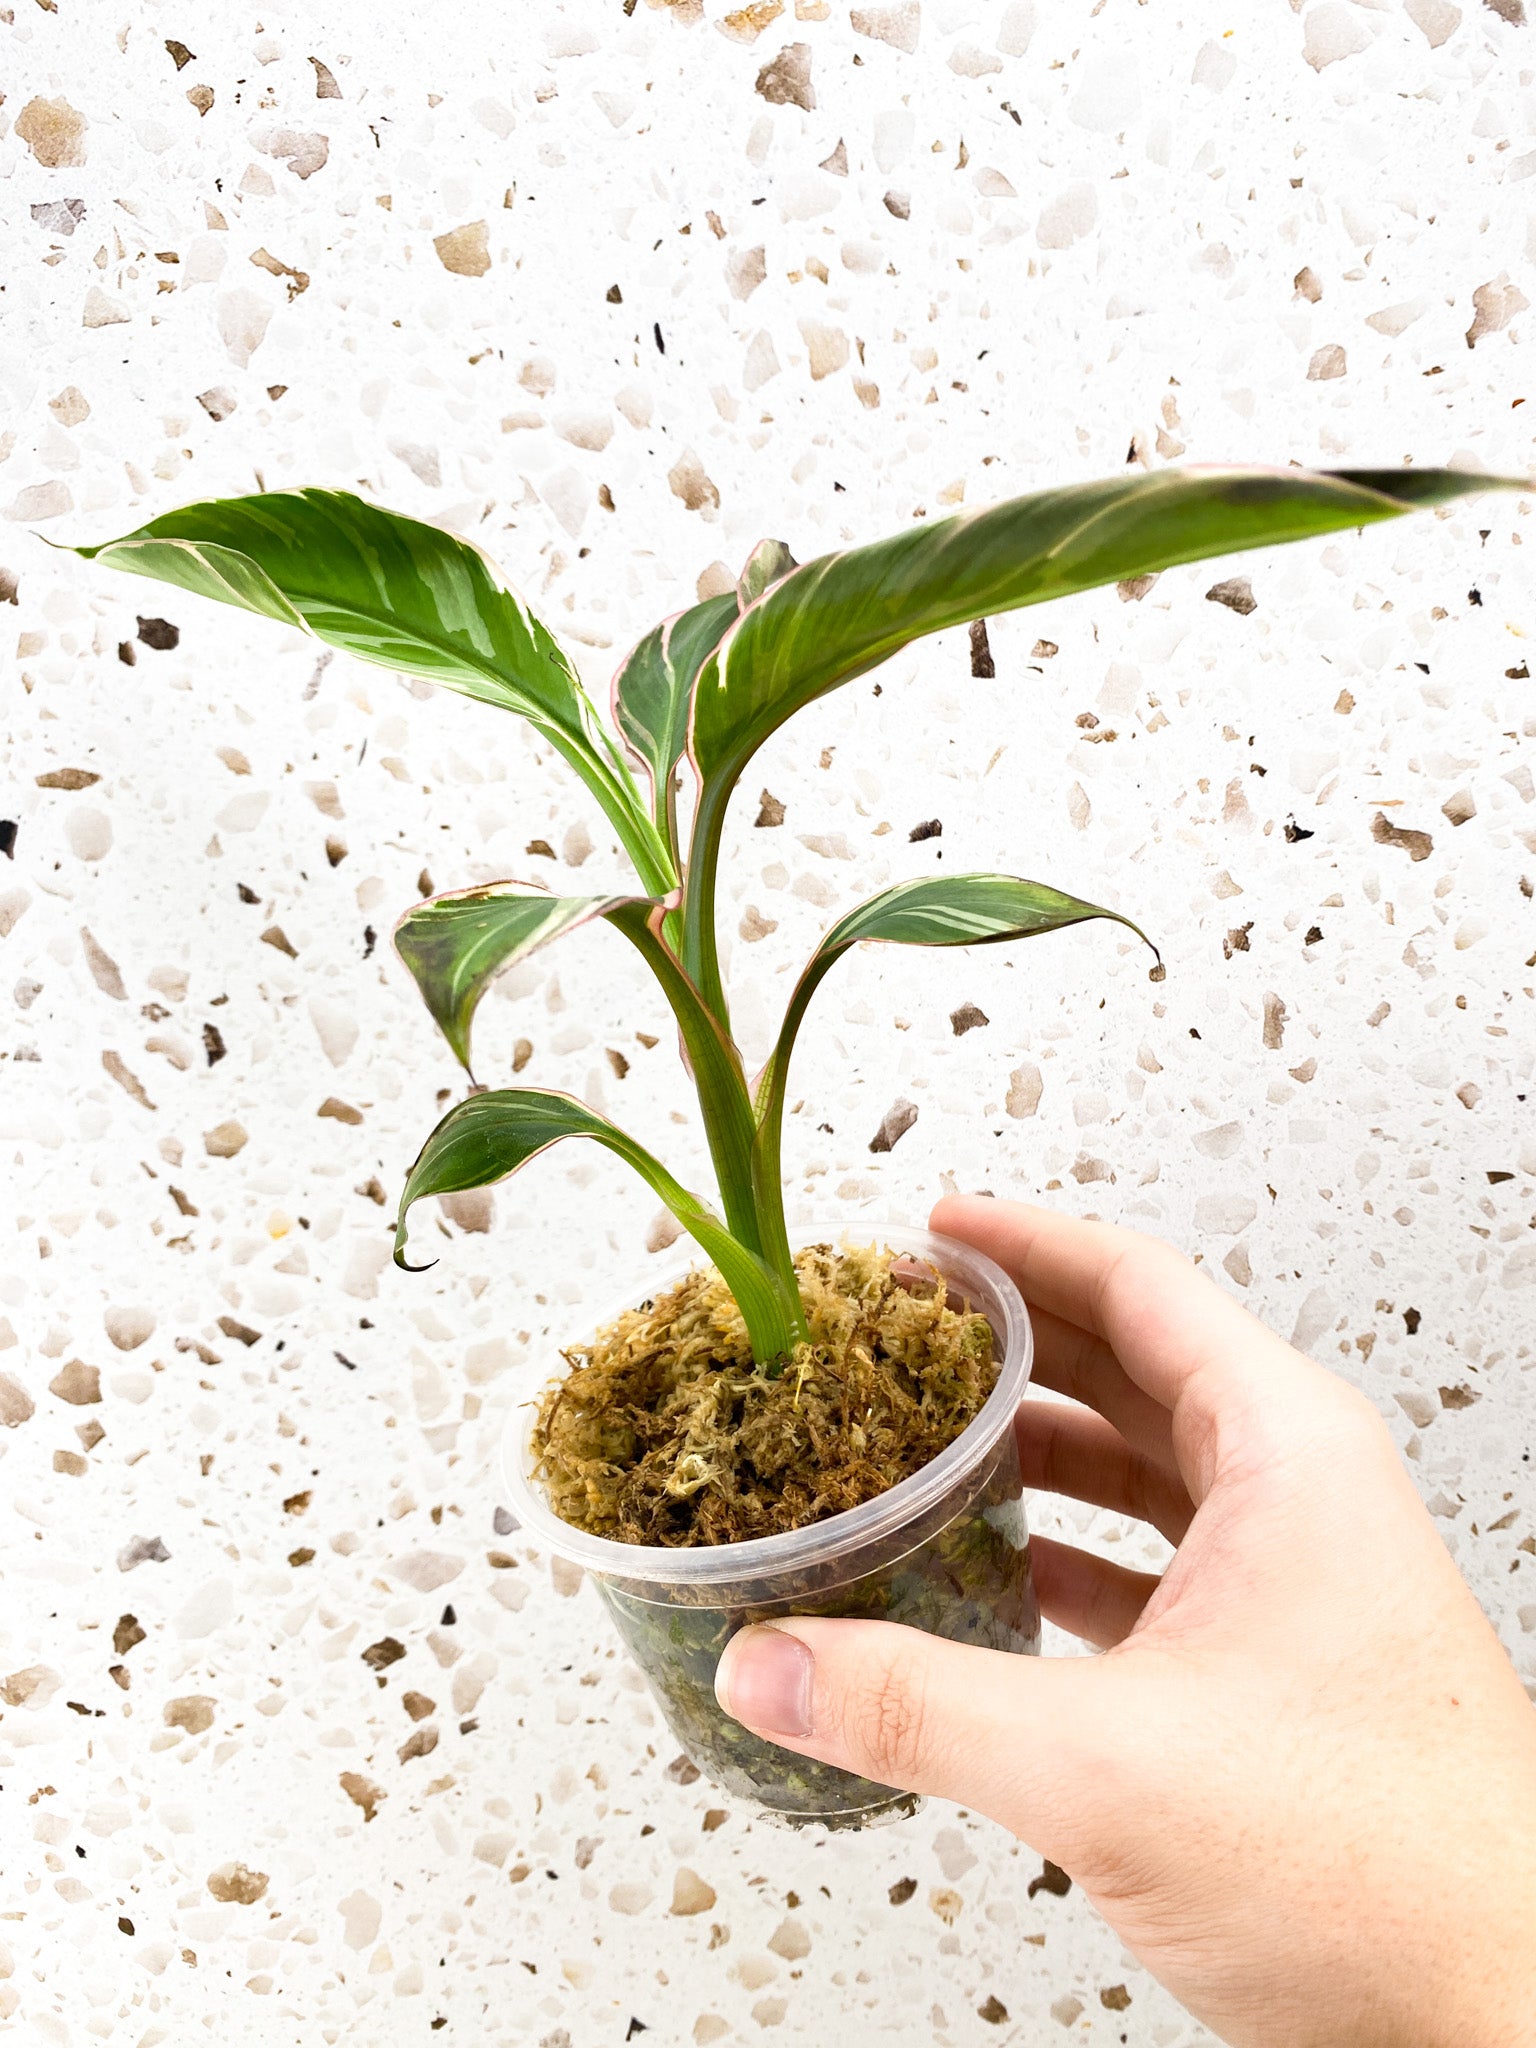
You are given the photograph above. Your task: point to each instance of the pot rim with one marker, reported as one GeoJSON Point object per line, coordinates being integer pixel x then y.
{"type": "Point", "coordinates": [798, 1550]}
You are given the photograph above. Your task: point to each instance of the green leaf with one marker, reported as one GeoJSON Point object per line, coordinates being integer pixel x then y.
{"type": "Point", "coordinates": [403, 595]}
{"type": "Point", "coordinates": [492, 1134]}
{"type": "Point", "coordinates": [843, 614]}
{"type": "Point", "coordinates": [654, 688]}
{"type": "Point", "coordinates": [958, 910]}
{"type": "Point", "coordinates": [940, 910]}
{"type": "Point", "coordinates": [457, 943]}
{"type": "Point", "coordinates": [768, 562]}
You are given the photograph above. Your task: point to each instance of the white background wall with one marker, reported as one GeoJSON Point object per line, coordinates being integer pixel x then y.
{"type": "Point", "coordinates": [1063, 232]}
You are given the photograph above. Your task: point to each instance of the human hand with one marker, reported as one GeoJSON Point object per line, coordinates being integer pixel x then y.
{"type": "Point", "coordinates": [1301, 1782]}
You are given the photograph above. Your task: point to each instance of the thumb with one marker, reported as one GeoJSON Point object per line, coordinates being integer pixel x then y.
{"type": "Point", "coordinates": [1006, 1735]}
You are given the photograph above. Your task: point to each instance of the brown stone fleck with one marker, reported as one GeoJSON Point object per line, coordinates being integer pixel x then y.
{"type": "Point", "coordinates": [326, 87]}
{"type": "Point", "coordinates": [785, 80]}
{"type": "Point", "coordinates": [1417, 845]}
{"type": "Point", "coordinates": [421, 1743]}
{"type": "Point", "coordinates": [1236, 593]}
{"type": "Point", "coordinates": [77, 1383]}
{"type": "Point", "coordinates": [126, 1634]}
{"type": "Point", "coordinates": [71, 1464]}
{"type": "Point", "coordinates": [238, 1332]}
{"type": "Point", "coordinates": [53, 131]}
{"type": "Point", "coordinates": [417, 1705]}
{"type": "Point", "coordinates": [994, 2012]}
{"type": "Point", "coordinates": [23, 1686]}
{"type": "Point", "coordinates": [193, 1712]}
{"type": "Point", "coordinates": [1114, 1998]}
{"type": "Point", "coordinates": [181, 56]}
{"type": "Point", "coordinates": [362, 1792]}
{"type": "Point", "coordinates": [1052, 1879]}
{"type": "Point", "coordinates": [380, 1655]}
{"type": "Point", "coordinates": [67, 778]}
{"type": "Point", "coordinates": [234, 1885]}
{"type": "Point", "coordinates": [898, 1120]}
{"type": "Point", "coordinates": [746, 24]}
{"type": "Point", "coordinates": [1274, 1022]}
{"type": "Point", "coordinates": [298, 280]}
{"type": "Point", "coordinates": [770, 811]}
{"type": "Point", "coordinates": [201, 97]}
{"type": "Point", "coordinates": [1307, 284]}
{"type": "Point", "coordinates": [967, 1018]}
{"type": "Point", "coordinates": [1494, 306]}
{"type": "Point", "coordinates": [466, 251]}
{"type": "Point", "coordinates": [104, 969]}
{"type": "Point", "coordinates": [1460, 808]}
{"type": "Point", "coordinates": [126, 1079]}
{"type": "Point", "coordinates": [690, 1894]}
{"type": "Point", "coordinates": [688, 481]}
{"type": "Point", "coordinates": [342, 1112]}
{"type": "Point", "coordinates": [304, 154]}
{"type": "Point", "coordinates": [1026, 1085]}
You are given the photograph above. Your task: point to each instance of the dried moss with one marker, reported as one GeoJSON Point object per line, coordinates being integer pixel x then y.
{"type": "Point", "coordinates": [665, 1432]}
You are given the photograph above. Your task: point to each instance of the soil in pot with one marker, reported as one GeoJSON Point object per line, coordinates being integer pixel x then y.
{"type": "Point", "coordinates": [664, 1432]}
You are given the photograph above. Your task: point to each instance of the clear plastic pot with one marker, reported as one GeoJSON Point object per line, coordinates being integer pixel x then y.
{"type": "Point", "coordinates": [946, 1550]}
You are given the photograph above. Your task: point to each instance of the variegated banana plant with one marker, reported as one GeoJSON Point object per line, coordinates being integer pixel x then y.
{"type": "Point", "coordinates": [702, 692]}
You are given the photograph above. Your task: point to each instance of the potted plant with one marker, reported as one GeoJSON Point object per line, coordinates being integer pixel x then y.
{"type": "Point", "coordinates": [792, 1427]}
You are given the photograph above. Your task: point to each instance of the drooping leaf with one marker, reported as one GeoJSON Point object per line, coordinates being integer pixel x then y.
{"type": "Point", "coordinates": [958, 910]}
{"type": "Point", "coordinates": [457, 943]}
{"type": "Point", "coordinates": [491, 1135]}
{"type": "Point", "coordinates": [654, 686]}
{"type": "Point", "coordinates": [403, 595]}
{"type": "Point", "coordinates": [842, 614]}
{"type": "Point", "coordinates": [937, 910]}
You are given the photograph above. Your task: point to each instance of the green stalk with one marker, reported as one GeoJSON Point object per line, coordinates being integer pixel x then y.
{"type": "Point", "coordinates": [701, 952]}
{"type": "Point", "coordinates": [768, 1108]}
{"type": "Point", "coordinates": [715, 1063]}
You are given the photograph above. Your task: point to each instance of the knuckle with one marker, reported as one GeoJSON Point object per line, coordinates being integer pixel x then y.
{"type": "Point", "coordinates": [886, 1721]}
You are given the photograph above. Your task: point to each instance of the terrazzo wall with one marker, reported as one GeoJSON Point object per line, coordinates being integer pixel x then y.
{"type": "Point", "coordinates": [298, 1742]}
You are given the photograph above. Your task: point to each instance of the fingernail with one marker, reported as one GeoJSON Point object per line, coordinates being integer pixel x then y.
{"type": "Point", "coordinates": [764, 1681]}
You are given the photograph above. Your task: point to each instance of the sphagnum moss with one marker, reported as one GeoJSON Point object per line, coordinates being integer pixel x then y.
{"type": "Point", "coordinates": [665, 1432]}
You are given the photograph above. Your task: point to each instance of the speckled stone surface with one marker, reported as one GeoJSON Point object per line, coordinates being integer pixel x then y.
{"type": "Point", "coordinates": [295, 1747]}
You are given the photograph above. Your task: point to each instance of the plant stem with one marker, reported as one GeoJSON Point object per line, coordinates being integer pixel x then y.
{"type": "Point", "coordinates": [716, 1070]}
{"type": "Point", "coordinates": [701, 954]}
{"type": "Point", "coordinates": [754, 1204]}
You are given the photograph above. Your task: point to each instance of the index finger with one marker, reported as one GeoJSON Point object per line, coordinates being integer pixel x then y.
{"type": "Point", "coordinates": [1176, 1334]}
